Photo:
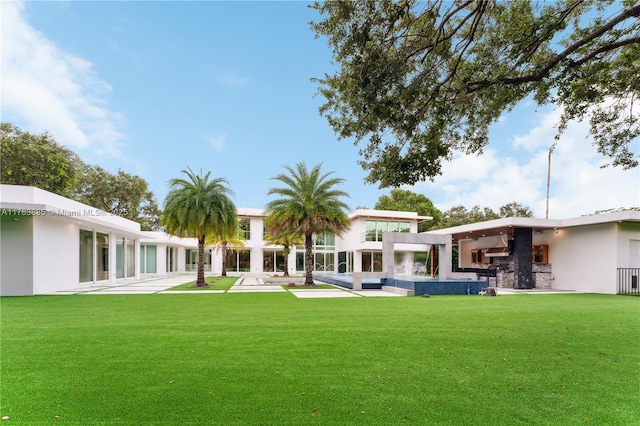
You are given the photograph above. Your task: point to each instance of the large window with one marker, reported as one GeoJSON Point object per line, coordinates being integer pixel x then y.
{"type": "Point", "coordinates": [94, 256]}
{"type": "Point", "coordinates": [191, 260]}
{"type": "Point", "coordinates": [323, 247]}
{"type": "Point", "coordinates": [345, 261]}
{"type": "Point", "coordinates": [148, 258]}
{"type": "Point", "coordinates": [172, 259]}
{"type": "Point", "coordinates": [86, 255]}
{"type": "Point", "coordinates": [371, 261]}
{"type": "Point", "coordinates": [130, 257]}
{"type": "Point", "coordinates": [102, 256]}
{"type": "Point", "coordinates": [541, 254]}
{"type": "Point", "coordinates": [273, 261]}
{"type": "Point", "coordinates": [375, 228]}
{"type": "Point", "coordinates": [245, 226]}
{"type": "Point", "coordinates": [238, 260]}
{"type": "Point", "coordinates": [323, 261]}
{"type": "Point", "coordinates": [120, 257]}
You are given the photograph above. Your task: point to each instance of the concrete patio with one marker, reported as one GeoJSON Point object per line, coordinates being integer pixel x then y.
{"type": "Point", "coordinates": [246, 284]}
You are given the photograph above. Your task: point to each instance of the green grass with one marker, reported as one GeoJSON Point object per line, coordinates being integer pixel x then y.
{"type": "Point", "coordinates": [273, 359]}
{"type": "Point", "coordinates": [315, 287]}
{"type": "Point", "coordinates": [215, 283]}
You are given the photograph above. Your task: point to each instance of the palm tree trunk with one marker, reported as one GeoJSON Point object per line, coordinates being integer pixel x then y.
{"type": "Point", "coordinates": [224, 259]}
{"type": "Point", "coordinates": [285, 252]}
{"type": "Point", "coordinates": [200, 282]}
{"type": "Point", "coordinates": [308, 259]}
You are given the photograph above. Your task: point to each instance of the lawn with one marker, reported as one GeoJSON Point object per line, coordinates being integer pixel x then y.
{"type": "Point", "coordinates": [215, 283]}
{"type": "Point", "coordinates": [273, 359]}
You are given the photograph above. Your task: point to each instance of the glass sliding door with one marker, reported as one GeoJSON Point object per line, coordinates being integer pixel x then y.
{"type": "Point", "coordinates": [273, 261]}
{"type": "Point", "coordinates": [130, 257]}
{"type": "Point", "coordinates": [191, 260]}
{"type": "Point", "coordinates": [168, 259]}
{"type": "Point", "coordinates": [119, 257]}
{"type": "Point", "coordinates": [86, 256]}
{"type": "Point", "coordinates": [148, 258]}
{"type": "Point", "coordinates": [244, 261]}
{"type": "Point", "coordinates": [102, 256]}
{"type": "Point", "coordinates": [345, 261]}
{"type": "Point", "coordinates": [371, 261]}
{"type": "Point", "coordinates": [172, 262]}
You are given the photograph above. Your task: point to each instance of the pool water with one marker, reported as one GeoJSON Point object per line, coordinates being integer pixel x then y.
{"type": "Point", "coordinates": [419, 284]}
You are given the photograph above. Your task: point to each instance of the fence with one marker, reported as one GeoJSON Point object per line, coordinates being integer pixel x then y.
{"type": "Point", "coordinates": [628, 281]}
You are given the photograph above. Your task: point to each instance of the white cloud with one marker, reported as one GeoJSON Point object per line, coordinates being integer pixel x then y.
{"type": "Point", "coordinates": [50, 89]}
{"type": "Point", "coordinates": [578, 184]}
{"type": "Point", "coordinates": [217, 142]}
{"type": "Point", "coordinates": [540, 136]}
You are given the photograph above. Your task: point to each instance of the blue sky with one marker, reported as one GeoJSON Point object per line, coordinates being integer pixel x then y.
{"type": "Point", "coordinates": [154, 87]}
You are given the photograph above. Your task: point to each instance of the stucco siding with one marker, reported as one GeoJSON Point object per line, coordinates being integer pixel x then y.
{"type": "Point", "coordinates": [16, 254]}
{"type": "Point", "coordinates": [55, 254]}
{"type": "Point", "coordinates": [628, 245]}
{"type": "Point", "coordinates": [585, 259]}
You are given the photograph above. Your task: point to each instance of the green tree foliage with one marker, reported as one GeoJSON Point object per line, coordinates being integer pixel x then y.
{"type": "Point", "coordinates": [309, 203]}
{"type": "Point", "coordinates": [459, 215]}
{"type": "Point", "coordinates": [197, 207]}
{"type": "Point", "coordinates": [37, 160]}
{"type": "Point", "coordinates": [515, 209]}
{"type": "Point", "coordinates": [223, 239]}
{"type": "Point", "coordinates": [278, 233]}
{"type": "Point", "coordinates": [121, 194]}
{"type": "Point", "coordinates": [424, 79]}
{"type": "Point", "coordinates": [405, 200]}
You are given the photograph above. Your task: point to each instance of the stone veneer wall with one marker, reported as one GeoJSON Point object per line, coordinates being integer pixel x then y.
{"type": "Point", "coordinates": [542, 274]}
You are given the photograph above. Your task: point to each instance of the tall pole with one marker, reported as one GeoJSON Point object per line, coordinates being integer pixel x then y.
{"type": "Point", "coordinates": [551, 148]}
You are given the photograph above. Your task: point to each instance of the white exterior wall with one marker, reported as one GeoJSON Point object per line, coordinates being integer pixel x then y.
{"type": "Point", "coordinates": [628, 245]}
{"type": "Point", "coordinates": [16, 256]}
{"type": "Point", "coordinates": [161, 260]}
{"type": "Point", "coordinates": [182, 258]}
{"type": "Point", "coordinates": [256, 244]}
{"type": "Point", "coordinates": [43, 257]}
{"type": "Point", "coordinates": [585, 258]}
{"type": "Point", "coordinates": [56, 251]}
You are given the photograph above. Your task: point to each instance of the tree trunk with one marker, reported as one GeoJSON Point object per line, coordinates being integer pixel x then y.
{"type": "Point", "coordinates": [200, 282]}
{"type": "Point", "coordinates": [286, 251]}
{"type": "Point", "coordinates": [308, 259]}
{"type": "Point", "coordinates": [224, 259]}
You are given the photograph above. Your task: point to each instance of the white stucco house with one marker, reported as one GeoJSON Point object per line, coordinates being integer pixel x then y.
{"type": "Point", "coordinates": [49, 243]}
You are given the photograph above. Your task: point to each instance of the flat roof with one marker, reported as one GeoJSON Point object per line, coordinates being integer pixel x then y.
{"type": "Point", "coordinates": [388, 214]}
{"type": "Point", "coordinates": [506, 225]}
{"type": "Point", "coordinates": [32, 201]}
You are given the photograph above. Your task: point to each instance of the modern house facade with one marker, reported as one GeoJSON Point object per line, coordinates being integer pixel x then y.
{"type": "Point", "coordinates": [595, 253]}
{"type": "Point", "coordinates": [358, 249]}
{"type": "Point", "coordinates": [49, 243]}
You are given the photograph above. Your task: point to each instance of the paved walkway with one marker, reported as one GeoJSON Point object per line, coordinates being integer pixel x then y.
{"type": "Point", "coordinates": [246, 284]}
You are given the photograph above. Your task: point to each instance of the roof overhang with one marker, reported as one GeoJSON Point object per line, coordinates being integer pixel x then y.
{"type": "Point", "coordinates": [506, 226]}
{"type": "Point", "coordinates": [388, 215]}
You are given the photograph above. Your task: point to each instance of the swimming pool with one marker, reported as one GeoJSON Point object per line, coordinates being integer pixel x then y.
{"type": "Point", "coordinates": [419, 284]}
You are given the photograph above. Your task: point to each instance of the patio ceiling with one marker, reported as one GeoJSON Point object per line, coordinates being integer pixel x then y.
{"type": "Point", "coordinates": [493, 231]}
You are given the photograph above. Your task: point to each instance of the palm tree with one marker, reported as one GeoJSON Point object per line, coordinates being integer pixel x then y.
{"type": "Point", "coordinates": [199, 208]}
{"type": "Point", "coordinates": [222, 242]}
{"type": "Point", "coordinates": [282, 236]}
{"type": "Point", "coordinates": [309, 204]}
